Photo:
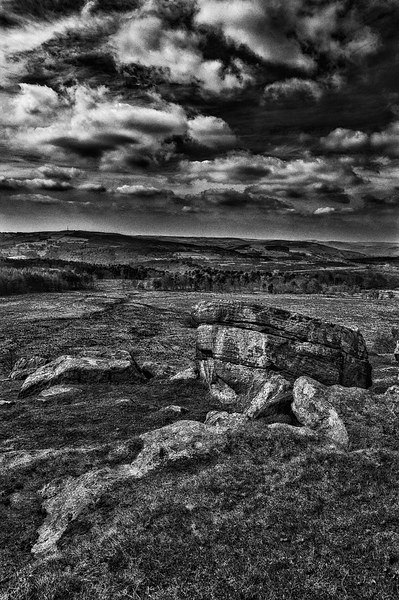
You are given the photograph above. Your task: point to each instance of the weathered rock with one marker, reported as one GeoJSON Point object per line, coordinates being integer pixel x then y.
{"type": "Point", "coordinates": [223, 393]}
{"type": "Point", "coordinates": [225, 420]}
{"type": "Point", "coordinates": [274, 397]}
{"type": "Point", "coordinates": [392, 393]}
{"type": "Point", "coordinates": [313, 410]}
{"type": "Point", "coordinates": [58, 392]}
{"type": "Point", "coordinates": [153, 369]}
{"type": "Point", "coordinates": [235, 339]}
{"type": "Point", "coordinates": [69, 369]}
{"type": "Point", "coordinates": [185, 375]}
{"type": "Point", "coordinates": [301, 432]}
{"type": "Point", "coordinates": [26, 366]}
{"type": "Point", "coordinates": [65, 501]}
{"type": "Point", "coordinates": [173, 410]}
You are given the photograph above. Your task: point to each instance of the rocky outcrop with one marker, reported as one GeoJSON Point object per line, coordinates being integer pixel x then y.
{"type": "Point", "coordinates": [26, 366]}
{"type": "Point", "coordinates": [242, 344]}
{"type": "Point", "coordinates": [65, 501]}
{"type": "Point", "coordinates": [313, 410]}
{"type": "Point", "coordinates": [84, 369]}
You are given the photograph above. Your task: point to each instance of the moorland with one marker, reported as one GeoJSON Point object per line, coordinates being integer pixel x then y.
{"type": "Point", "coordinates": [274, 516]}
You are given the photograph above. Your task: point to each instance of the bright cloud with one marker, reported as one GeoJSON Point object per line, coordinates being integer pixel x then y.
{"type": "Point", "coordinates": [147, 40]}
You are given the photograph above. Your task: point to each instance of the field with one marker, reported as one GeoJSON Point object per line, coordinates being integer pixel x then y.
{"type": "Point", "coordinates": [271, 519]}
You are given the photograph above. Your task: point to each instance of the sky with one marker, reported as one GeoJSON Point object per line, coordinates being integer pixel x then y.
{"type": "Point", "coordinates": [238, 118]}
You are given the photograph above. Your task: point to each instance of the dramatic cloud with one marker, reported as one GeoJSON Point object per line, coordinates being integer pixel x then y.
{"type": "Point", "coordinates": [90, 124]}
{"type": "Point", "coordinates": [249, 22]}
{"type": "Point", "coordinates": [201, 114]}
{"type": "Point", "coordinates": [271, 172]}
{"type": "Point", "coordinates": [278, 31]}
{"type": "Point", "coordinates": [147, 40]}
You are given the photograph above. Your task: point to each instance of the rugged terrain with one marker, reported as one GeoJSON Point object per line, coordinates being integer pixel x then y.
{"type": "Point", "coordinates": [265, 514]}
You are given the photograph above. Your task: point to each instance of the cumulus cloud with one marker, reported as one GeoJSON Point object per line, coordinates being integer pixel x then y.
{"type": "Point", "coordinates": [35, 104]}
{"type": "Point", "coordinates": [236, 167]}
{"type": "Point", "coordinates": [138, 190]}
{"type": "Point", "coordinates": [324, 210]}
{"type": "Point", "coordinates": [93, 124]}
{"type": "Point", "coordinates": [57, 172]}
{"type": "Point", "coordinates": [34, 184]}
{"type": "Point", "coordinates": [387, 140]}
{"type": "Point", "coordinates": [212, 132]}
{"type": "Point", "coordinates": [92, 187]}
{"type": "Point", "coordinates": [147, 40]}
{"type": "Point", "coordinates": [345, 140]}
{"type": "Point", "coordinates": [269, 171]}
{"type": "Point", "coordinates": [293, 89]}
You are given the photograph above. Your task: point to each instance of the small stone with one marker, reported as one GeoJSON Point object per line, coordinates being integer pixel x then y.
{"type": "Point", "coordinates": [58, 392]}
{"type": "Point", "coordinates": [274, 396]}
{"type": "Point", "coordinates": [223, 393]}
{"type": "Point", "coordinates": [185, 375]}
{"type": "Point", "coordinates": [173, 409]}
{"type": "Point", "coordinates": [312, 409]}
{"type": "Point", "coordinates": [152, 369]}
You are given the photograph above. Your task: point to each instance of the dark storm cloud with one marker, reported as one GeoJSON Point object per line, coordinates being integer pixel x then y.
{"type": "Point", "coordinates": [377, 205]}
{"type": "Point", "coordinates": [94, 147]}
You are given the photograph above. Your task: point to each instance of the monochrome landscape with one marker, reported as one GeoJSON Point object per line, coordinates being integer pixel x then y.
{"type": "Point", "coordinates": [199, 300]}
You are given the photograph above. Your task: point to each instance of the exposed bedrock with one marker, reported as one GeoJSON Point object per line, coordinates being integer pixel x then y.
{"type": "Point", "coordinates": [242, 344]}
{"type": "Point", "coordinates": [117, 367]}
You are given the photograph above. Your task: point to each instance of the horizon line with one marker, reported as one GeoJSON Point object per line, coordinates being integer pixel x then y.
{"type": "Point", "coordinates": [216, 237]}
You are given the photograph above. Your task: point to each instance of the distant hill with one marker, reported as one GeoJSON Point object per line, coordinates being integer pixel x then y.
{"type": "Point", "coordinates": [234, 253]}
{"type": "Point", "coordinates": [369, 249]}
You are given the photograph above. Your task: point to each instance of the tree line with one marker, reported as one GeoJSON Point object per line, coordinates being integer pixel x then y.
{"type": "Point", "coordinates": [211, 279]}
{"type": "Point", "coordinates": [28, 280]}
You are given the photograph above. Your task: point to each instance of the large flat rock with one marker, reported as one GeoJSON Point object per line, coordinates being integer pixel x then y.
{"type": "Point", "coordinates": [84, 369]}
{"type": "Point", "coordinates": [266, 339]}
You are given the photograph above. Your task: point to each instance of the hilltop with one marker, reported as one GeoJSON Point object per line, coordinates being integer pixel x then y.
{"type": "Point", "coordinates": [235, 253]}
